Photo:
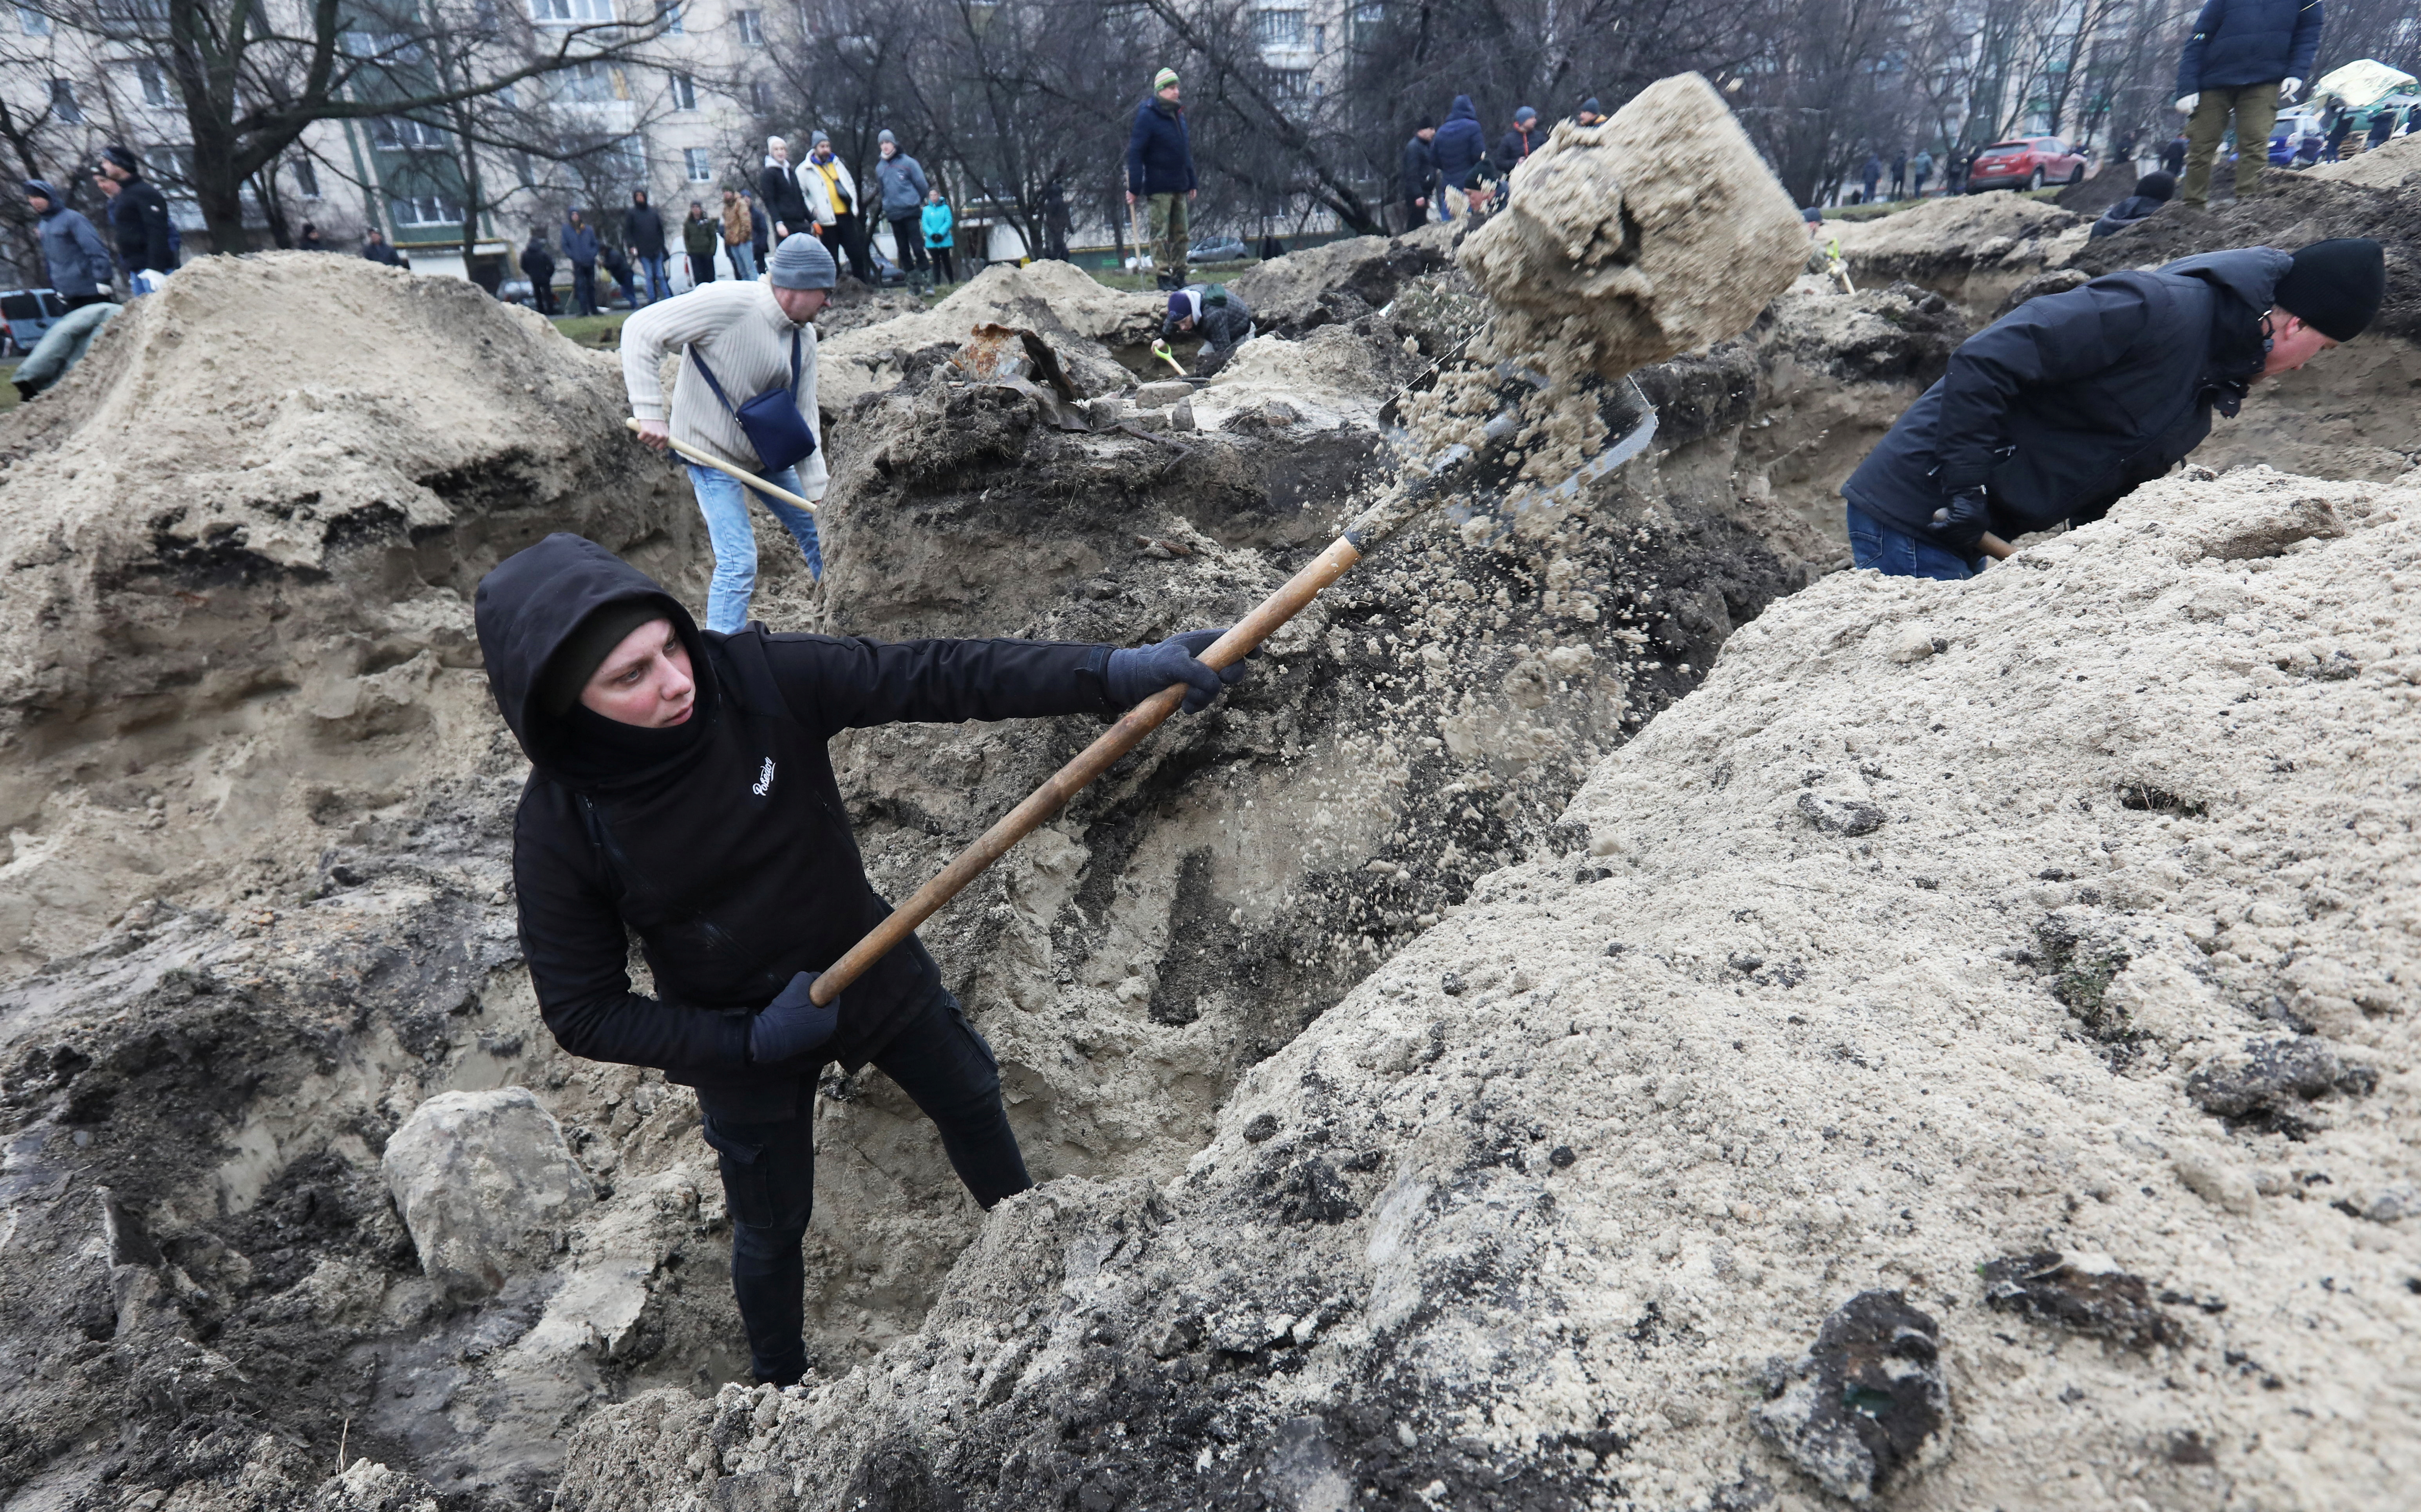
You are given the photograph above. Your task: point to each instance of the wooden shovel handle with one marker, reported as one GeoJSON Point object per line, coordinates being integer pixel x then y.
{"type": "Point", "coordinates": [1096, 758]}
{"type": "Point", "coordinates": [708, 460]}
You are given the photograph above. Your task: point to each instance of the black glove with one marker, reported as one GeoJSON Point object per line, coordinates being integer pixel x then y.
{"type": "Point", "coordinates": [791, 1025]}
{"type": "Point", "coordinates": [1962, 522]}
{"type": "Point", "coordinates": [1136, 675]}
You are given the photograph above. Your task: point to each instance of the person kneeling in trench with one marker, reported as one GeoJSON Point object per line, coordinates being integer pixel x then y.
{"type": "Point", "coordinates": [679, 789]}
{"type": "Point", "coordinates": [1225, 321]}
{"type": "Point", "coordinates": [2063, 407]}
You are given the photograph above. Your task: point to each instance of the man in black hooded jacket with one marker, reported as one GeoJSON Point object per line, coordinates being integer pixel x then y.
{"type": "Point", "coordinates": [2066, 404]}
{"type": "Point", "coordinates": [680, 790]}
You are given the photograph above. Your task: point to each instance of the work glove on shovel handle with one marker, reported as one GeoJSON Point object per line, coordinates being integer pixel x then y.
{"type": "Point", "coordinates": [1135, 674]}
{"type": "Point", "coordinates": [792, 1025]}
{"type": "Point", "coordinates": [1961, 523]}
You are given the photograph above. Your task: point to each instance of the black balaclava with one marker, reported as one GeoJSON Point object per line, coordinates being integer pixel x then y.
{"type": "Point", "coordinates": [595, 748]}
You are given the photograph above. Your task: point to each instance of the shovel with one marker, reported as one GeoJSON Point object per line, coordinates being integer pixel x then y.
{"type": "Point", "coordinates": [1631, 418]}
{"type": "Point", "coordinates": [704, 459]}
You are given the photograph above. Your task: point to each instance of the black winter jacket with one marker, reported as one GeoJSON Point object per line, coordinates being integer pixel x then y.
{"type": "Point", "coordinates": [778, 191]}
{"type": "Point", "coordinates": [1417, 169]}
{"type": "Point", "coordinates": [1160, 151]}
{"type": "Point", "coordinates": [139, 217]}
{"type": "Point", "coordinates": [2249, 41]}
{"type": "Point", "coordinates": [643, 230]}
{"type": "Point", "coordinates": [2126, 213]}
{"type": "Point", "coordinates": [1511, 148]}
{"type": "Point", "coordinates": [732, 860]}
{"type": "Point", "coordinates": [537, 263]}
{"type": "Point", "coordinates": [1461, 146]}
{"type": "Point", "coordinates": [2071, 400]}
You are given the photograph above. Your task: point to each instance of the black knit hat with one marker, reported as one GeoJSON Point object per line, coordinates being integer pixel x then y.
{"type": "Point", "coordinates": [2335, 287]}
{"type": "Point", "coordinates": [123, 158]}
{"type": "Point", "coordinates": [2160, 186]}
{"type": "Point", "coordinates": [586, 648]}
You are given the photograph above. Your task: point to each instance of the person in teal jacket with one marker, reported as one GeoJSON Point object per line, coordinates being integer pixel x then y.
{"type": "Point", "coordinates": [938, 221]}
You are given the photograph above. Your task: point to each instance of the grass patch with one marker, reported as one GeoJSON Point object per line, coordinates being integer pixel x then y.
{"type": "Point", "coordinates": [593, 330]}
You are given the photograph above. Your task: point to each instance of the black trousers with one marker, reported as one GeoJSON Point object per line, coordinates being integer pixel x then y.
{"type": "Point", "coordinates": [845, 238]}
{"type": "Point", "coordinates": [769, 1171]}
{"type": "Point", "coordinates": [583, 288]}
{"type": "Point", "coordinates": [943, 271]}
{"type": "Point", "coordinates": [908, 235]}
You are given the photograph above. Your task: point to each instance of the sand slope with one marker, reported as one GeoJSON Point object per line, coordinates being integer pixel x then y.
{"type": "Point", "coordinates": [1942, 926]}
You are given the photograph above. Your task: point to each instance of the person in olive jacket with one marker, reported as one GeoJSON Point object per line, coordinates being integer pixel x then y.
{"type": "Point", "coordinates": [680, 790]}
{"type": "Point", "coordinates": [701, 237]}
{"type": "Point", "coordinates": [2066, 404]}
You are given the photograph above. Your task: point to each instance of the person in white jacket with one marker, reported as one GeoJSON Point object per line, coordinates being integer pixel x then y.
{"type": "Point", "coordinates": [832, 195]}
{"type": "Point", "coordinates": [749, 335]}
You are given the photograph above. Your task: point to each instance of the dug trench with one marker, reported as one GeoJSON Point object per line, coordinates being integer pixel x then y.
{"type": "Point", "coordinates": [229, 1001]}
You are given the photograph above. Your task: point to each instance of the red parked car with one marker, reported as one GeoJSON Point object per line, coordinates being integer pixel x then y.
{"type": "Point", "coordinates": [2025, 162]}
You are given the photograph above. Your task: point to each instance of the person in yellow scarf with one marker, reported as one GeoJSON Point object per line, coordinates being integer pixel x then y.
{"type": "Point", "coordinates": [831, 193]}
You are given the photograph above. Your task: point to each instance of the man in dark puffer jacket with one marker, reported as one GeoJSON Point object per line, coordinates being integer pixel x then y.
{"type": "Point", "coordinates": [2152, 190]}
{"type": "Point", "coordinates": [2061, 409]}
{"type": "Point", "coordinates": [2243, 57]}
{"type": "Point", "coordinates": [680, 790]}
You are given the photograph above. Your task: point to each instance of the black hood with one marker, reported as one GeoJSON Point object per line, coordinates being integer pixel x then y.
{"type": "Point", "coordinates": [530, 607]}
{"type": "Point", "coordinates": [2244, 280]}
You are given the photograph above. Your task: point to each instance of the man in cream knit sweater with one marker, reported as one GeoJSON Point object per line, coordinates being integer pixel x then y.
{"type": "Point", "coordinates": [747, 333]}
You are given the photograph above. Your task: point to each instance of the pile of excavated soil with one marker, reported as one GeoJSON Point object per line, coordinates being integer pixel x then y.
{"type": "Point", "coordinates": [2384, 167]}
{"type": "Point", "coordinates": [1336, 375]}
{"type": "Point", "coordinates": [1625, 244]}
{"type": "Point", "coordinates": [1338, 282]}
{"type": "Point", "coordinates": [244, 535]}
{"type": "Point", "coordinates": [1972, 248]}
{"type": "Point", "coordinates": [1084, 319]}
{"type": "Point", "coordinates": [2030, 960]}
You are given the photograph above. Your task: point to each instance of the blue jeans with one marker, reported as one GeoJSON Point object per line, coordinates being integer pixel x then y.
{"type": "Point", "coordinates": [1874, 544]}
{"type": "Point", "coordinates": [769, 1172]}
{"type": "Point", "coordinates": [720, 498]}
{"type": "Point", "coordinates": [744, 261]}
{"type": "Point", "coordinates": [651, 273]}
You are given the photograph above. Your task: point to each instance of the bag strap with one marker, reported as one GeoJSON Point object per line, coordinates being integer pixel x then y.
{"type": "Point", "coordinates": [794, 364]}
{"type": "Point", "coordinates": [708, 373]}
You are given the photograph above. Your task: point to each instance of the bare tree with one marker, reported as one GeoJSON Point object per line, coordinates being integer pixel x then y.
{"type": "Point", "coordinates": [252, 76]}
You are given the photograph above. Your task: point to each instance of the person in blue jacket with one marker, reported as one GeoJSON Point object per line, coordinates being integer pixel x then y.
{"type": "Point", "coordinates": [580, 250]}
{"type": "Point", "coordinates": [936, 222]}
{"type": "Point", "coordinates": [2243, 57]}
{"type": "Point", "coordinates": [77, 258]}
{"type": "Point", "coordinates": [2068, 403]}
{"type": "Point", "coordinates": [1160, 171]}
{"type": "Point", "coordinates": [680, 791]}
{"type": "Point", "coordinates": [1461, 147]}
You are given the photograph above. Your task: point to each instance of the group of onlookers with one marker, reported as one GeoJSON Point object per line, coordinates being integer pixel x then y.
{"type": "Point", "coordinates": [1455, 156]}
{"type": "Point", "coordinates": [84, 273]}
{"type": "Point", "coordinates": [818, 197]}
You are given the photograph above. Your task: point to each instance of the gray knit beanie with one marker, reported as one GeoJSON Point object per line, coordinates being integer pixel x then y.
{"type": "Point", "coordinates": [800, 262]}
{"type": "Point", "coordinates": [887, 136]}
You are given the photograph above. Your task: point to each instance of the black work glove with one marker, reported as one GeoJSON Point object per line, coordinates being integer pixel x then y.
{"type": "Point", "coordinates": [791, 1025]}
{"type": "Point", "coordinates": [1961, 523]}
{"type": "Point", "coordinates": [1134, 675]}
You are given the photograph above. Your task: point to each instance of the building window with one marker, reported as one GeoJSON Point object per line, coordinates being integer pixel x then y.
{"type": "Point", "coordinates": [154, 83]}
{"type": "Point", "coordinates": [63, 102]}
{"type": "Point", "coordinates": [752, 28]}
{"type": "Point", "coordinates": [426, 210]}
{"type": "Point", "coordinates": [701, 164]}
{"type": "Point", "coordinates": [570, 13]}
{"type": "Point", "coordinates": [673, 22]}
{"type": "Point", "coordinates": [1278, 28]}
{"type": "Point", "coordinates": [1369, 14]}
{"type": "Point", "coordinates": [760, 98]}
{"type": "Point", "coordinates": [33, 23]}
{"type": "Point", "coordinates": [1320, 39]}
{"type": "Point", "coordinates": [590, 82]}
{"type": "Point", "coordinates": [1293, 84]}
{"type": "Point", "coordinates": [397, 135]}
{"type": "Point", "coordinates": [307, 179]}
{"type": "Point", "coordinates": [684, 92]}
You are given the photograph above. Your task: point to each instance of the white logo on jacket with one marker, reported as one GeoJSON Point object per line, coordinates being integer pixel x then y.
{"type": "Point", "coordinates": [764, 779]}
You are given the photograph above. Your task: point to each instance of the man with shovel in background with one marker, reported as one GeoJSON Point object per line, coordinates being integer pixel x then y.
{"type": "Point", "coordinates": [2062, 408]}
{"type": "Point", "coordinates": [740, 341]}
{"type": "Point", "coordinates": [679, 789]}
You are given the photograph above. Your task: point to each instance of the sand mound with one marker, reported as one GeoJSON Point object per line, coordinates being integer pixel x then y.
{"type": "Point", "coordinates": [2059, 924]}
{"type": "Point", "coordinates": [244, 535]}
{"type": "Point", "coordinates": [2383, 167]}
{"type": "Point", "coordinates": [1340, 281]}
{"type": "Point", "coordinates": [1652, 234]}
{"type": "Point", "coordinates": [1967, 222]}
{"type": "Point", "coordinates": [1083, 317]}
{"type": "Point", "coordinates": [1330, 378]}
